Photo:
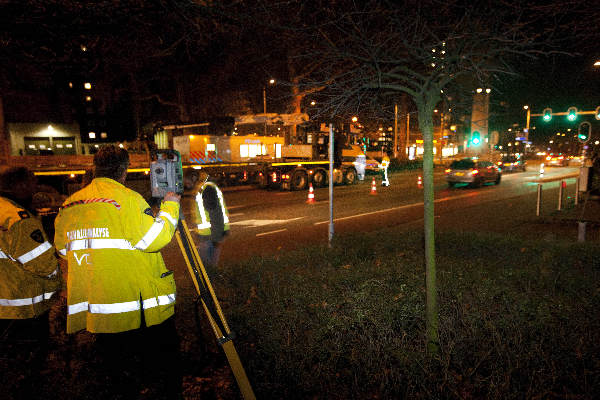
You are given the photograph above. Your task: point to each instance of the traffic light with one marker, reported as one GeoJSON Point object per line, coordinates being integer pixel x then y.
{"type": "Point", "coordinates": [572, 114]}
{"type": "Point", "coordinates": [584, 132]}
{"type": "Point", "coordinates": [547, 114]}
{"type": "Point", "coordinates": [597, 113]}
{"type": "Point", "coordinates": [475, 140]}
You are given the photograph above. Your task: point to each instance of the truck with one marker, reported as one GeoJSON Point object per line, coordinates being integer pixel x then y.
{"type": "Point", "coordinates": [300, 167]}
{"type": "Point", "coordinates": [262, 160]}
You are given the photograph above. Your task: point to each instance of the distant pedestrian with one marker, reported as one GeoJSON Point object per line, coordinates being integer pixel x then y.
{"type": "Point", "coordinates": [212, 222]}
{"type": "Point", "coordinates": [118, 286]}
{"type": "Point", "coordinates": [385, 163]}
{"type": "Point", "coordinates": [29, 278]}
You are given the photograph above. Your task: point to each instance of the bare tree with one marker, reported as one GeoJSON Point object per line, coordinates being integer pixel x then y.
{"type": "Point", "coordinates": [433, 51]}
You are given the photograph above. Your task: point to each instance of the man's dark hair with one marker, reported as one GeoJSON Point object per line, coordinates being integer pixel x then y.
{"type": "Point", "coordinates": [10, 179]}
{"type": "Point", "coordinates": [110, 162]}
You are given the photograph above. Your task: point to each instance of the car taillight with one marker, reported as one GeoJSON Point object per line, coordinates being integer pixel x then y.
{"type": "Point", "coordinates": [475, 172]}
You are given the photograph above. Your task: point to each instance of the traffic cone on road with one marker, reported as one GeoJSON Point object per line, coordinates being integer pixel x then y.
{"type": "Point", "coordinates": [311, 194]}
{"type": "Point", "coordinates": [373, 186]}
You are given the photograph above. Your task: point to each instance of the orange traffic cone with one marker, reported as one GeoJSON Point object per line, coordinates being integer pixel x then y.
{"type": "Point", "coordinates": [311, 194]}
{"type": "Point", "coordinates": [373, 187]}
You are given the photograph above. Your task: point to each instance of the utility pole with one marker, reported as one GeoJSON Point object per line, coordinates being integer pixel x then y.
{"type": "Point", "coordinates": [265, 107]}
{"type": "Point", "coordinates": [396, 130]}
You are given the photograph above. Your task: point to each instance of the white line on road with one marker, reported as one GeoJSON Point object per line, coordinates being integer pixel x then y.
{"type": "Point", "coordinates": [271, 232]}
{"type": "Point", "coordinates": [235, 215]}
{"type": "Point", "coordinates": [263, 222]}
{"type": "Point", "coordinates": [397, 208]}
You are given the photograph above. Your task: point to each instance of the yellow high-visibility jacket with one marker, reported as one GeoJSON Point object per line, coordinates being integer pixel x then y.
{"type": "Point", "coordinates": [111, 240]}
{"type": "Point", "coordinates": [202, 215]}
{"type": "Point", "coordinates": [29, 273]}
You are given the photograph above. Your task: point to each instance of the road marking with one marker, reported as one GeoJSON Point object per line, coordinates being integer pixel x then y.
{"type": "Point", "coordinates": [234, 207]}
{"type": "Point", "coordinates": [263, 222]}
{"type": "Point", "coordinates": [398, 208]}
{"type": "Point", "coordinates": [271, 232]}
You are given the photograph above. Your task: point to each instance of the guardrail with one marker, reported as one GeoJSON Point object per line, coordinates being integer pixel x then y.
{"type": "Point", "coordinates": [541, 180]}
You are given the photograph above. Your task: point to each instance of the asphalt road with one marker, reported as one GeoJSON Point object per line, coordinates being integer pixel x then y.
{"type": "Point", "coordinates": [267, 222]}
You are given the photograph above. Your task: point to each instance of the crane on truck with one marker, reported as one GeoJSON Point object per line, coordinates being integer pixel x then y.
{"type": "Point", "coordinates": [266, 161]}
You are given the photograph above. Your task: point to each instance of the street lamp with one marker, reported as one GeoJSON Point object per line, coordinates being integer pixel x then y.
{"type": "Point", "coordinates": [271, 82]}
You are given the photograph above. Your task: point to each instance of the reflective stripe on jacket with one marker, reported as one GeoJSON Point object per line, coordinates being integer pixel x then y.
{"type": "Point", "coordinates": [28, 266]}
{"type": "Point", "coordinates": [202, 215]}
{"type": "Point", "coordinates": [111, 240]}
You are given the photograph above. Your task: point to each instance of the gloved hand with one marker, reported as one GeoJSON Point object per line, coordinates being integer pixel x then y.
{"type": "Point", "coordinates": [172, 196]}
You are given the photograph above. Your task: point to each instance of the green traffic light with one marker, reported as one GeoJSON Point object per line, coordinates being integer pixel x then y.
{"type": "Point", "coordinates": [547, 114]}
{"type": "Point", "coordinates": [572, 114]}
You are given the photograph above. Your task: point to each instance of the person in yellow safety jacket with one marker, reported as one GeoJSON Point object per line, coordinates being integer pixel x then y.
{"type": "Point", "coordinates": [117, 280]}
{"type": "Point", "coordinates": [212, 223]}
{"type": "Point", "coordinates": [29, 275]}
{"type": "Point", "coordinates": [385, 163]}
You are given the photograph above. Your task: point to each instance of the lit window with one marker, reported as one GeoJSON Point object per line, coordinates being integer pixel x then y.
{"type": "Point", "coordinates": [252, 150]}
{"type": "Point", "coordinates": [69, 146]}
{"type": "Point", "coordinates": [88, 98]}
{"type": "Point", "coordinates": [277, 150]}
{"type": "Point", "coordinates": [103, 135]}
{"type": "Point", "coordinates": [42, 146]}
{"type": "Point", "coordinates": [59, 146]}
{"type": "Point", "coordinates": [92, 135]}
{"type": "Point", "coordinates": [96, 146]}
{"type": "Point", "coordinates": [211, 147]}
{"type": "Point", "coordinates": [71, 85]}
{"type": "Point", "coordinates": [31, 146]}
{"type": "Point", "coordinates": [87, 85]}
{"type": "Point", "coordinates": [243, 150]}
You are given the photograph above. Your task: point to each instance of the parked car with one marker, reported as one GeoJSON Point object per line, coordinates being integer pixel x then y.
{"type": "Point", "coordinates": [472, 171]}
{"type": "Point", "coordinates": [556, 160]}
{"type": "Point", "coordinates": [512, 163]}
{"type": "Point", "coordinates": [372, 165]}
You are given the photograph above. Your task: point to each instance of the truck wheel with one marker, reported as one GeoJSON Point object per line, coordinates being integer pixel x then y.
{"type": "Point", "coordinates": [319, 178]}
{"type": "Point", "coordinates": [338, 177]}
{"type": "Point", "coordinates": [262, 180]}
{"type": "Point", "coordinates": [350, 176]}
{"type": "Point", "coordinates": [299, 180]}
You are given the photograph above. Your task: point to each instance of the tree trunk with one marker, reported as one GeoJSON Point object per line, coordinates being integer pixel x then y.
{"type": "Point", "coordinates": [425, 110]}
{"type": "Point", "coordinates": [402, 115]}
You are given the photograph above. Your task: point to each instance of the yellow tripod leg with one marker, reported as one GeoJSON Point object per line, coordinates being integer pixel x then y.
{"type": "Point", "coordinates": [223, 335]}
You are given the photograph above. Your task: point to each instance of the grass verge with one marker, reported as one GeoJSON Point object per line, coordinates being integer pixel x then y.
{"type": "Point", "coordinates": [516, 320]}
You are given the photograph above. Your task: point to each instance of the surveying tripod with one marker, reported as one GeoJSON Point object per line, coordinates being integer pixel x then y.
{"type": "Point", "coordinates": [211, 305]}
